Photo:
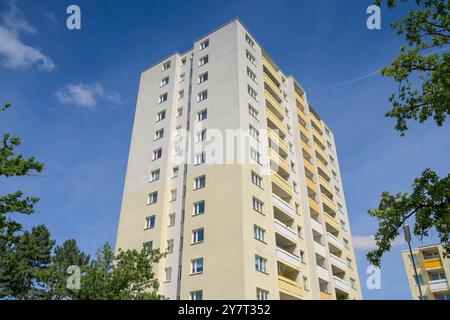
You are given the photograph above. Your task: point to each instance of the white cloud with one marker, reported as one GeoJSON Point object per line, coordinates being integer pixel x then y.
{"type": "Point", "coordinates": [368, 242]}
{"type": "Point", "coordinates": [14, 53]}
{"type": "Point", "coordinates": [86, 95]}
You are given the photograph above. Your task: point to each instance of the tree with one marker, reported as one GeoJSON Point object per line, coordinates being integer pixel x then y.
{"type": "Point", "coordinates": [126, 276]}
{"type": "Point", "coordinates": [422, 70]}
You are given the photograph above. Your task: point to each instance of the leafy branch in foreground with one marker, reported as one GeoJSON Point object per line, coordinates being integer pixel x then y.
{"type": "Point", "coordinates": [428, 204]}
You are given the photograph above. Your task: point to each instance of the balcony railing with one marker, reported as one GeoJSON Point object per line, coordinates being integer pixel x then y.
{"type": "Point", "coordinates": [300, 99]}
{"type": "Point", "coordinates": [283, 205]}
{"type": "Point", "coordinates": [302, 115]}
{"type": "Point", "coordinates": [319, 248]}
{"type": "Point", "coordinates": [335, 241]}
{"type": "Point", "coordinates": [287, 257]}
{"type": "Point", "coordinates": [341, 284]}
{"type": "Point", "coordinates": [271, 69]}
{"type": "Point", "coordinates": [308, 166]}
{"type": "Point", "coordinates": [284, 230]}
{"type": "Point", "coordinates": [311, 184]}
{"type": "Point", "coordinates": [277, 140]}
{"type": "Point", "coordinates": [325, 296]}
{"type": "Point", "coordinates": [331, 221]}
{"type": "Point", "coordinates": [273, 87]}
{"type": "Point", "coordinates": [283, 184]}
{"type": "Point", "coordinates": [330, 204]}
{"type": "Point", "coordinates": [307, 148]}
{"type": "Point", "coordinates": [316, 226]}
{"type": "Point", "coordinates": [338, 262]}
{"type": "Point", "coordinates": [304, 131]}
{"type": "Point", "coordinates": [289, 286]}
{"type": "Point", "coordinates": [433, 263]}
{"type": "Point", "coordinates": [279, 160]}
{"type": "Point", "coordinates": [323, 273]}
{"type": "Point", "coordinates": [276, 121]}
{"type": "Point", "coordinates": [314, 205]}
{"type": "Point", "coordinates": [438, 285]}
{"type": "Point", "coordinates": [274, 103]}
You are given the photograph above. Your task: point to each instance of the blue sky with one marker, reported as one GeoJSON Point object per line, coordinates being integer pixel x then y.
{"type": "Point", "coordinates": [84, 141]}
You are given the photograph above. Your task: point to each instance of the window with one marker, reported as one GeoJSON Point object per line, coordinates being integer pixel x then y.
{"type": "Point", "coordinates": [160, 115]}
{"type": "Point", "coordinates": [251, 74]}
{"type": "Point", "coordinates": [302, 256]}
{"type": "Point", "coordinates": [249, 40]}
{"type": "Point", "coordinates": [197, 295]}
{"type": "Point", "coordinates": [202, 115]}
{"type": "Point", "coordinates": [164, 81]}
{"type": "Point", "coordinates": [346, 244]}
{"type": "Point", "coordinates": [179, 112]}
{"type": "Point", "coordinates": [150, 222]}
{"type": "Point", "coordinates": [199, 208]}
{"type": "Point", "coordinates": [159, 134]}
{"type": "Point", "coordinates": [343, 225]}
{"type": "Point", "coordinates": [155, 174]}
{"type": "Point", "coordinates": [157, 154]}
{"type": "Point", "coordinates": [197, 266]}
{"type": "Point", "coordinates": [201, 136]}
{"type": "Point", "coordinates": [204, 44]}
{"type": "Point", "coordinates": [252, 93]}
{"type": "Point", "coordinates": [431, 255]}
{"type": "Point", "coordinates": [183, 61]}
{"type": "Point", "coordinates": [437, 276]}
{"type": "Point", "coordinates": [349, 262]}
{"type": "Point", "coordinates": [255, 155]}
{"type": "Point", "coordinates": [250, 57]}
{"type": "Point", "coordinates": [353, 283]}
{"type": "Point", "coordinates": [148, 245]}
{"type": "Point", "coordinates": [171, 219]}
{"type": "Point", "coordinates": [203, 60]}
{"type": "Point", "coordinates": [257, 205]}
{"type": "Point", "coordinates": [198, 236]}
{"type": "Point", "coordinates": [295, 185]}
{"type": "Point", "coordinates": [260, 264]}
{"type": "Point", "coordinates": [199, 182]}
{"type": "Point", "coordinates": [167, 274]}
{"type": "Point", "coordinates": [202, 96]}
{"type": "Point", "coordinates": [170, 246]}
{"type": "Point", "coordinates": [180, 94]}
{"type": "Point", "coordinates": [254, 133]}
{"type": "Point", "coordinates": [153, 197]}
{"type": "Point", "coordinates": [203, 77]}
{"type": "Point", "coordinates": [253, 112]}
{"type": "Point", "coordinates": [305, 283]}
{"type": "Point", "coordinates": [162, 98]}
{"type": "Point", "coordinates": [175, 171]}
{"type": "Point", "coordinates": [166, 65]}
{"type": "Point", "coordinates": [256, 179]}
{"type": "Point", "coordinates": [182, 77]}
{"type": "Point", "coordinates": [259, 233]}
{"type": "Point", "coordinates": [418, 280]}
{"type": "Point", "coordinates": [178, 131]}
{"type": "Point", "coordinates": [173, 195]}
{"type": "Point", "coordinates": [442, 297]}
{"type": "Point", "coordinates": [300, 232]}
{"type": "Point", "coordinates": [262, 294]}
{"type": "Point", "coordinates": [200, 158]}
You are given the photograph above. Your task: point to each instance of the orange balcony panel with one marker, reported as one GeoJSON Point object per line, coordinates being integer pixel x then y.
{"type": "Point", "coordinates": [314, 205]}
{"type": "Point", "coordinates": [432, 263]}
{"type": "Point", "coordinates": [311, 185]}
{"type": "Point", "coordinates": [308, 165]}
{"type": "Point", "coordinates": [307, 148]}
{"type": "Point", "coordinates": [302, 115]}
{"type": "Point", "coordinates": [331, 221]}
{"type": "Point", "coordinates": [300, 99]}
{"type": "Point", "coordinates": [325, 296]}
{"type": "Point", "coordinates": [304, 131]}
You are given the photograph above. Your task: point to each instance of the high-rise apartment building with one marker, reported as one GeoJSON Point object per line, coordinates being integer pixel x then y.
{"type": "Point", "coordinates": [433, 272]}
{"type": "Point", "coordinates": [273, 226]}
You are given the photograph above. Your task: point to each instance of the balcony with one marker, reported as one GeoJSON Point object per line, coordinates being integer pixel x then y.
{"type": "Point", "coordinates": [316, 121]}
{"type": "Point", "coordinates": [273, 104]}
{"type": "Point", "coordinates": [289, 286]}
{"type": "Point", "coordinates": [283, 205]}
{"type": "Point", "coordinates": [302, 115]}
{"type": "Point", "coordinates": [273, 88]}
{"type": "Point", "coordinates": [318, 136]}
{"type": "Point", "coordinates": [335, 241]}
{"type": "Point", "coordinates": [324, 183]}
{"type": "Point", "coordinates": [328, 202]}
{"type": "Point", "coordinates": [434, 263]}
{"type": "Point", "coordinates": [271, 69]}
{"type": "Point", "coordinates": [311, 184]}
{"type": "Point", "coordinates": [307, 148]}
{"type": "Point", "coordinates": [331, 221]}
{"type": "Point", "coordinates": [325, 296]}
{"type": "Point", "coordinates": [308, 166]}
{"type": "Point", "coordinates": [324, 168]}
{"type": "Point", "coordinates": [438, 285]}
{"type": "Point", "coordinates": [338, 262]}
{"type": "Point", "coordinates": [283, 186]}
{"type": "Point", "coordinates": [272, 118]}
{"type": "Point", "coordinates": [282, 163]}
{"type": "Point", "coordinates": [300, 99]}
{"type": "Point", "coordinates": [285, 231]}
{"type": "Point", "coordinates": [314, 205]}
{"type": "Point", "coordinates": [320, 151]}
{"type": "Point", "coordinates": [277, 140]}
{"type": "Point", "coordinates": [304, 131]}
{"type": "Point", "coordinates": [316, 226]}
{"type": "Point", "coordinates": [341, 284]}
{"type": "Point", "coordinates": [320, 249]}
{"type": "Point", "coordinates": [323, 274]}
{"type": "Point", "coordinates": [288, 258]}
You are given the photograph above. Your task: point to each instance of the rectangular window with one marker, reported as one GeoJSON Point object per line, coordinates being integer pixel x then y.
{"type": "Point", "coordinates": [437, 276]}
{"type": "Point", "coordinates": [197, 295]}
{"type": "Point", "coordinates": [252, 92]}
{"type": "Point", "coordinates": [305, 283]}
{"type": "Point", "coordinates": [164, 81]}
{"type": "Point", "coordinates": [167, 274]}
{"type": "Point", "coordinates": [203, 77]}
{"type": "Point", "coordinates": [202, 115]}
{"type": "Point", "coordinates": [182, 77]}
{"type": "Point", "coordinates": [173, 195]}
{"type": "Point", "coordinates": [183, 61]}
{"type": "Point", "coordinates": [200, 136]}
{"type": "Point", "coordinates": [262, 294]}
{"type": "Point", "coordinates": [256, 179]}
{"type": "Point", "coordinates": [148, 245]}
{"type": "Point", "coordinates": [254, 155]}
{"type": "Point", "coordinates": [160, 115]}
{"type": "Point", "coordinates": [431, 255]}
{"type": "Point", "coordinates": [200, 158]}
{"type": "Point", "coordinates": [258, 205]}
{"type": "Point", "coordinates": [349, 262]}
{"type": "Point", "coordinates": [198, 236]}
{"type": "Point", "coordinates": [253, 112]}
{"type": "Point", "coordinates": [170, 246]}
{"type": "Point", "coordinates": [353, 283]}
{"type": "Point", "coordinates": [157, 154]}
{"type": "Point", "coordinates": [180, 94]}
{"type": "Point", "coordinates": [199, 208]}
{"type": "Point", "coordinates": [418, 280]}
{"type": "Point", "coordinates": [166, 65]}
{"type": "Point", "coordinates": [258, 233]}
{"type": "Point", "coordinates": [254, 133]}
{"type": "Point", "coordinates": [203, 60]}
{"type": "Point", "coordinates": [155, 174]}
{"type": "Point", "coordinates": [153, 197]}
{"type": "Point", "coordinates": [199, 182]}
{"type": "Point", "coordinates": [204, 44]}
{"type": "Point", "coordinates": [162, 98]}
{"type": "Point", "coordinates": [197, 266]}
{"type": "Point", "coordinates": [159, 134]}
{"type": "Point", "coordinates": [260, 264]}
{"type": "Point", "coordinates": [302, 256]}
{"type": "Point", "coordinates": [251, 74]}
{"type": "Point", "coordinates": [175, 171]}
{"type": "Point", "coordinates": [202, 96]}
{"type": "Point", "coordinates": [150, 222]}
{"type": "Point", "coordinates": [179, 112]}
{"type": "Point", "coordinates": [171, 220]}
{"type": "Point", "coordinates": [251, 57]}
{"type": "Point", "coordinates": [249, 40]}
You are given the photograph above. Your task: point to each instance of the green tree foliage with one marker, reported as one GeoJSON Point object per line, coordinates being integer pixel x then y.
{"type": "Point", "coordinates": [429, 202]}
{"type": "Point", "coordinates": [422, 70]}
